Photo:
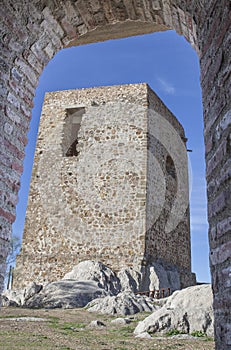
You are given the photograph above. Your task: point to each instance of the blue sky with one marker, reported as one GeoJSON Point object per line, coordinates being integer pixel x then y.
{"type": "Point", "coordinates": [165, 61]}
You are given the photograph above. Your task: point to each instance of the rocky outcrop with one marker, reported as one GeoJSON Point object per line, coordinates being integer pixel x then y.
{"type": "Point", "coordinates": [93, 279]}
{"type": "Point", "coordinates": [66, 294]}
{"type": "Point", "coordinates": [12, 297]}
{"type": "Point", "coordinates": [19, 297]}
{"type": "Point", "coordinates": [130, 280]}
{"type": "Point", "coordinates": [187, 310]}
{"type": "Point", "coordinates": [96, 286]}
{"type": "Point", "coordinates": [87, 281]}
{"type": "Point", "coordinates": [125, 303]}
{"type": "Point", "coordinates": [90, 270]}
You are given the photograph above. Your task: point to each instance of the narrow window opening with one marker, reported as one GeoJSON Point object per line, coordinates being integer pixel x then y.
{"type": "Point", "coordinates": [170, 168]}
{"type": "Point", "coordinates": [71, 129]}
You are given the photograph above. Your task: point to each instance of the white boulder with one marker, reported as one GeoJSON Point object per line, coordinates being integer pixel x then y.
{"type": "Point", "coordinates": [96, 323]}
{"type": "Point", "coordinates": [124, 303]}
{"type": "Point", "coordinates": [18, 297]}
{"type": "Point", "coordinates": [95, 271]}
{"type": "Point", "coordinates": [144, 335]}
{"type": "Point", "coordinates": [121, 321]}
{"type": "Point", "coordinates": [13, 297]}
{"type": "Point", "coordinates": [187, 310]}
{"type": "Point", "coordinates": [66, 294]}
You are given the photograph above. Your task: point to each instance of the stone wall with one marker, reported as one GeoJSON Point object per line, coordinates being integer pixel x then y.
{"type": "Point", "coordinates": [105, 203]}
{"type": "Point", "coordinates": [32, 32]}
{"type": "Point", "coordinates": [168, 227]}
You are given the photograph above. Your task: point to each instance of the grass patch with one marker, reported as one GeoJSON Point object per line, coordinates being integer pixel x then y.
{"type": "Point", "coordinates": [53, 322]}
{"type": "Point", "coordinates": [68, 330]}
{"type": "Point", "coordinates": [23, 340]}
{"type": "Point", "coordinates": [198, 334]}
{"type": "Point", "coordinates": [173, 331]}
{"type": "Point", "coordinates": [72, 326]}
{"type": "Point", "coordinates": [39, 336]}
{"type": "Point", "coordinates": [125, 331]}
{"type": "Point", "coordinates": [17, 316]}
{"type": "Point", "coordinates": [208, 339]}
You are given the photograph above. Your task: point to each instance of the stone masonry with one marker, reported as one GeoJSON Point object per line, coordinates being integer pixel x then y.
{"type": "Point", "coordinates": [109, 183]}
{"type": "Point", "coordinates": [32, 32]}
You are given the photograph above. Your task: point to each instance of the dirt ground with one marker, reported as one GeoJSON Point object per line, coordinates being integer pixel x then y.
{"type": "Point", "coordinates": [69, 330]}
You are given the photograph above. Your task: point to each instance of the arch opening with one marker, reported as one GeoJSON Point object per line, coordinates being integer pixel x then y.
{"type": "Point", "coordinates": [168, 93]}
{"type": "Point", "coordinates": [42, 29]}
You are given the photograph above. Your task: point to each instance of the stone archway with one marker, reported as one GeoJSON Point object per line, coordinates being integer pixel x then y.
{"type": "Point", "coordinates": [33, 31]}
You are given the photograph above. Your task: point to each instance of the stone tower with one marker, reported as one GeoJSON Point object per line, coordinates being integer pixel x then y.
{"type": "Point", "coordinates": [109, 183]}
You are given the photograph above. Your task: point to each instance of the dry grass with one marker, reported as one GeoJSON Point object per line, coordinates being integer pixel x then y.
{"type": "Point", "coordinates": [68, 330]}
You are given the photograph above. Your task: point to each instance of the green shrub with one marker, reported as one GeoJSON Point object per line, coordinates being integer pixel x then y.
{"type": "Point", "coordinates": [173, 332]}
{"type": "Point", "coordinates": [198, 334]}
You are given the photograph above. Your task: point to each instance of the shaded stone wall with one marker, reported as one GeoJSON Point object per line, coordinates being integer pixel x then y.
{"type": "Point", "coordinates": [32, 32]}
{"type": "Point", "coordinates": [105, 203]}
{"type": "Point", "coordinates": [168, 226]}
{"type": "Point", "coordinates": [215, 39]}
